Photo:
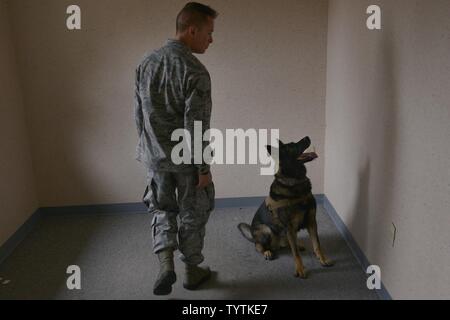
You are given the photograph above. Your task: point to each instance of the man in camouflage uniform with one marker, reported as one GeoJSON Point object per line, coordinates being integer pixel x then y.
{"type": "Point", "coordinates": [173, 89]}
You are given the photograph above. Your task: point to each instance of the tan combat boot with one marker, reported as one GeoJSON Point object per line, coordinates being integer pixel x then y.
{"type": "Point", "coordinates": [166, 276]}
{"type": "Point", "coordinates": [195, 276]}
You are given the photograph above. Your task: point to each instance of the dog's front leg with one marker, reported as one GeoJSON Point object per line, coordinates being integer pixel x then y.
{"type": "Point", "coordinates": [292, 239]}
{"type": "Point", "coordinates": [312, 230]}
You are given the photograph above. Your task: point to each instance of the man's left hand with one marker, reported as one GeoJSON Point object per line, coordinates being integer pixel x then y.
{"type": "Point", "coordinates": [204, 180]}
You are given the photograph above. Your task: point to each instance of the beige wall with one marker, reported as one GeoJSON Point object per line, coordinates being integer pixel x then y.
{"type": "Point", "coordinates": [387, 138]}
{"type": "Point", "coordinates": [267, 64]}
{"type": "Point", "coordinates": [18, 199]}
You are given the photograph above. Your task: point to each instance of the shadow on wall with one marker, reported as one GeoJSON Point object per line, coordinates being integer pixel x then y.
{"type": "Point", "coordinates": [361, 210]}
{"type": "Point", "coordinates": [372, 211]}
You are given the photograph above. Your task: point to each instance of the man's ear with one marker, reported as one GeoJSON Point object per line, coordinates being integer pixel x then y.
{"type": "Point", "coordinates": [192, 30]}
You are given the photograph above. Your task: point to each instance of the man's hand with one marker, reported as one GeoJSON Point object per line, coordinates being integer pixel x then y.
{"type": "Point", "coordinates": [204, 180]}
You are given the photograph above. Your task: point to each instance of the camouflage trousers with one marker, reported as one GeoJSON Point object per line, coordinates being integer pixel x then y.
{"type": "Point", "coordinates": [180, 210]}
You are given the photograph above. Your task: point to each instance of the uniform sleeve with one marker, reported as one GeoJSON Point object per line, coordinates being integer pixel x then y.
{"type": "Point", "coordinates": [138, 114]}
{"type": "Point", "coordinates": [197, 107]}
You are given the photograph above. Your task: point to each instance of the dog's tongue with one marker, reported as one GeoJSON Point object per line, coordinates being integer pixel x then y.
{"type": "Point", "coordinates": [309, 156]}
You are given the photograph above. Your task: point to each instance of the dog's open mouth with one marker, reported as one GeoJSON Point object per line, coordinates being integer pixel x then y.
{"type": "Point", "coordinates": [307, 157]}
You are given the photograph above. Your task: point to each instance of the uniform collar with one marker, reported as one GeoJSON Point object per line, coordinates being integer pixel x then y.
{"type": "Point", "coordinates": [178, 44]}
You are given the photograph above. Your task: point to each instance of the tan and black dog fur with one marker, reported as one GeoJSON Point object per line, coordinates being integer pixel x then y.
{"type": "Point", "coordinates": [289, 208]}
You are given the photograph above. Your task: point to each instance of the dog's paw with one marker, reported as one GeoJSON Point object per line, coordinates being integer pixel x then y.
{"type": "Point", "coordinates": [326, 263]}
{"type": "Point", "coordinates": [300, 273]}
{"type": "Point", "coordinates": [268, 255]}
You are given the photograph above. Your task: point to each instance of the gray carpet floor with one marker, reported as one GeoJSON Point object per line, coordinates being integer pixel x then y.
{"type": "Point", "coordinates": [116, 261]}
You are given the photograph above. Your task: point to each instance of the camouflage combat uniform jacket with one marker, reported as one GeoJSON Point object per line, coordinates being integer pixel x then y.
{"type": "Point", "coordinates": [172, 90]}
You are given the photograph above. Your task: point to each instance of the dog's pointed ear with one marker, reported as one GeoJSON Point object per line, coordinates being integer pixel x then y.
{"type": "Point", "coordinates": [304, 139]}
{"type": "Point", "coordinates": [280, 143]}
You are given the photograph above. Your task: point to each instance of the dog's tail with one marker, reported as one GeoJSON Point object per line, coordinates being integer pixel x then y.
{"type": "Point", "coordinates": [246, 231]}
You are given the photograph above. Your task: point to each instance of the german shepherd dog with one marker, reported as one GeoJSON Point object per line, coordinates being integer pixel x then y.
{"type": "Point", "coordinates": [289, 208]}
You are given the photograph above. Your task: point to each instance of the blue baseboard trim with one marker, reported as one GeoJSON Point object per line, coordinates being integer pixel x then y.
{"type": "Point", "coordinates": [239, 202]}
{"type": "Point", "coordinates": [382, 293]}
{"type": "Point", "coordinates": [139, 207]}
{"type": "Point", "coordinates": [114, 208]}
{"type": "Point", "coordinates": [319, 198]}
{"type": "Point", "coordinates": [251, 201]}
{"type": "Point", "coordinates": [8, 247]}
